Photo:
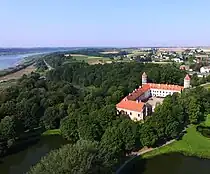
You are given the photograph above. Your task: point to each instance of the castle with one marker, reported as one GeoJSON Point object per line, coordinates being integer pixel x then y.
{"type": "Point", "coordinates": [142, 101]}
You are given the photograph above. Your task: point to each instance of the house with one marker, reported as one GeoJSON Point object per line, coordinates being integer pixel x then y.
{"type": "Point", "coordinates": [139, 104]}
{"type": "Point", "coordinates": [184, 67]}
{"type": "Point", "coordinates": [177, 60]}
{"type": "Point", "coordinates": [202, 58]}
{"type": "Point", "coordinates": [205, 69]}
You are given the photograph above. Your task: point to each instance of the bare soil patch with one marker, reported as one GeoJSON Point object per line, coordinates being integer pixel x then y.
{"type": "Point", "coordinates": [18, 74]}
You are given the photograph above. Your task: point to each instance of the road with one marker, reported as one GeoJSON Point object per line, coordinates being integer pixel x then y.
{"type": "Point", "coordinates": [48, 66]}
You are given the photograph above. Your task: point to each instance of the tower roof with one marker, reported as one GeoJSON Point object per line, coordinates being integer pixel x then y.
{"type": "Point", "coordinates": [187, 77]}
{"type": "Point", "coordinates": [144, 74]}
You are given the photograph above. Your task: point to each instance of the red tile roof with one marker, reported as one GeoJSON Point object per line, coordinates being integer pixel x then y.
{"type": "Point", "coordinates": [138, 92]}
{"type": "Point", "coordinates": [130, 105]}
{"type": "Point", "coordinates": [165, 86]}
{"type": "Point", "coordinates": [129, 102]}
{"type": "Point", "coordinates": [187, 77]}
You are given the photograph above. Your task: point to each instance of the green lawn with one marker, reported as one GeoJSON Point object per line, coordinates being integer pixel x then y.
{"type": "Point", "coordinates": [192, 143]}
{"type": "Point", "coordinates": [207, 86]}
{"type": "Point", "coordinates": [207, 122]}
{"type": "Point", "coordinates": [52, 132]}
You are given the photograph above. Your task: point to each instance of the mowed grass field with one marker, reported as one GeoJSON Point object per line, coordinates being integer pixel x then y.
{"type": "Point", "coordinates": [90, 59]}
{"type": "Point", "coordinates": [207, 86]}
{"type": "Point", "coordinates": [192, 143]}
{"type": "Point", "coordinates": [52, 132]}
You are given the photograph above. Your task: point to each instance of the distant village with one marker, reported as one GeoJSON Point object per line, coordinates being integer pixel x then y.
{"type": "Point", "coordinates": [193, 60]}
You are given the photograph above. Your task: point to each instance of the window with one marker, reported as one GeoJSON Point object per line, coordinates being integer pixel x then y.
{"type": "Point", "coordinates": [139, 115]}
{"type": "Point", "coordinates": [130, 113]}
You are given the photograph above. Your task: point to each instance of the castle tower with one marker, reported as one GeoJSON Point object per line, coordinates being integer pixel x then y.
{"type": "Point", "coordinates": [144, 78]}
{"type": "Point", "coordinates": [187, 81]}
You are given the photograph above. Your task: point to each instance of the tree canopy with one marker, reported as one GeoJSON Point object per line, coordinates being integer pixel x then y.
{"type": "Point", "coordinates": [80, 99]}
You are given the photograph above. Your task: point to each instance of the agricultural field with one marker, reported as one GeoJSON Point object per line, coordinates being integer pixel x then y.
{"type": "Point", "coordinates": [7, 84]}
{"type": "Point", "coordinates": [18, 74]}
{"type": "Point", "coordinates": [91, 59]}
{"type": "Point", "coordinates": [136, 52]}
{"type": "Point", "coordinates": [109, 52]}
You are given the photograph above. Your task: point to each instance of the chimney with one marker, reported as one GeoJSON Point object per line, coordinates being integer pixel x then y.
{"type": "Point", "coordinates": [137, 101]}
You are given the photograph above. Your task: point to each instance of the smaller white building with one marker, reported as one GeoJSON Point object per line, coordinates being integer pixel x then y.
{"type": "Point", "coordinates": [205, 69]}
{"type": "Point", "coordinates": [177, 60]}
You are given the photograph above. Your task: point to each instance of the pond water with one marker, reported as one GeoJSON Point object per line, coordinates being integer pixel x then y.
{"type": "Point", "coordinates": [174, 163]}
{"type": "Point", "coordinates": [21, 162]}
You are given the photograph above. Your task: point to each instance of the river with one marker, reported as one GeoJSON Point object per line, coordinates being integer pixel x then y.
{"type": "Point", "coordinates": [7, 61]}
{"type": "Point", "coordinates": [173, 163]}
{"type": "Point", "coordinates": [21, 162]}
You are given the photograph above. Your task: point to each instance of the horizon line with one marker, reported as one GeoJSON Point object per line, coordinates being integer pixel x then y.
{"type": "Point", "coordinates": [14, 47]}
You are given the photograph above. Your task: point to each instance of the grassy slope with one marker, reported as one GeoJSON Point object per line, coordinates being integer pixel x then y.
{"type": "Point", "coordinates": [207, 122]}
{"type": "Point", "coordinates": [192, 143]}
{"type": "Point", "coordinates": [52, 132]}
{"type": "Point", "coordinates": [207, 86]}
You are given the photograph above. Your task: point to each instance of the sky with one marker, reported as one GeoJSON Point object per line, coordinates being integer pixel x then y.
{"type": "Point", "coordinates": [113, 23]}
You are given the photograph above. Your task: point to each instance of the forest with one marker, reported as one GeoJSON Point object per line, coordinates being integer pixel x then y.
{"type": "Point", "coordinates": [80, 99]}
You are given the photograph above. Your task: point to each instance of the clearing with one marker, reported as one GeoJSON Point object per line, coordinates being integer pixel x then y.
{"type": "Point", "coordinates": [192, 143]}
{"type": "Point", "coordinates": [207, 85]}
{"type": "Point", "coordinates": [52, 132]}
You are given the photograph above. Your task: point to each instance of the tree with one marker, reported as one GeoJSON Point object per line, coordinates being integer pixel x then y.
{"type": "Point", "coordinates": [81, 158]}
{"type": "Point", "coordinates": [128, 130]}
{"type": "Point", "coordinates": [51, 118]}
{"type": "Point", "coordinates": [112, 145]}
{"type": "Point", "coordinates": [173, 129]}
{"type": "Point", "coordinates": [105, 116]}
{"type": "Point", "coordinates": [194, 111]}
{"type": "Point", "coordinates": [89, 128]}
{"type": "Point", "coordinates": [148, 136]}
{"type": "Point", "coordinates": [69, 129]}
{"type": "Point", "coordinates": [7, 128]}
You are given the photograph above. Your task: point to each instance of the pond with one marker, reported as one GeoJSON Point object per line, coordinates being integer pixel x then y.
{"type": "Point", "coordinates": [174, 163]}
{"type": "Point", "coordinates": [21, 162]}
